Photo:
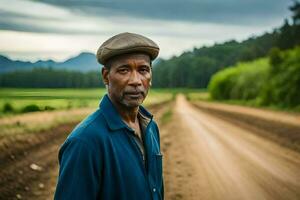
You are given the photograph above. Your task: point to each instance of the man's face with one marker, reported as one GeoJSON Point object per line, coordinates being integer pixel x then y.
{"type": "Point", "coordinates": [128, 79]}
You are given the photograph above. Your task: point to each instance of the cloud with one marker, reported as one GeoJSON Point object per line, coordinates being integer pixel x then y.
{"type": "Point", "coordinates": [209, 11]}
{"type": "Point", "coordinates": [18, 22]}
{"type": "Point", "coordinates": [65, 27]}
{"type": "Point", "coordinates": [96, 17]}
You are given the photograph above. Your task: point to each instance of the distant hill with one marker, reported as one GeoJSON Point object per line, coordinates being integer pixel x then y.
{"type": "Point", "coordinates": [83, 62]}
{"type": "Point", "coordinates": [7, 65]}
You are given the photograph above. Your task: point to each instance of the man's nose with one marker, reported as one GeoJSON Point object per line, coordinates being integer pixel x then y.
{"type": "Point", "coordinates": [135, 79]}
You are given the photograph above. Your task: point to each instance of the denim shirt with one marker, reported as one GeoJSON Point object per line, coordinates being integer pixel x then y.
{"type": "Point", "coordinates": [100, 159]}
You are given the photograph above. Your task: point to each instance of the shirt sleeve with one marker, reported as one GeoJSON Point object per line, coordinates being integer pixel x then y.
{"type": "Point", "coordinates": [79, 173]}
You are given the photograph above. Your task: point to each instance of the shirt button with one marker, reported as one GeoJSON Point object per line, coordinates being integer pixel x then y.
{"type": "Point", "coordinates": [154, 190]}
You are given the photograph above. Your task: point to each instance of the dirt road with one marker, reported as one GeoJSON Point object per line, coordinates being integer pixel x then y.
{"type": "Point", "coordinates": [209, 158]}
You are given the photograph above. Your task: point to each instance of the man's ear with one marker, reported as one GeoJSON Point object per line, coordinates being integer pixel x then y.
{"type": "Point", "coordinates": [105, 73]}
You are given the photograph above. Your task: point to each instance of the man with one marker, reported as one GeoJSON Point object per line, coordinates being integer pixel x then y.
{"type": "Point", "coordinates": [114, 154]}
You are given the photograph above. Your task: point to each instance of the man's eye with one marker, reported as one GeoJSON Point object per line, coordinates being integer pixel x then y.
{"type": "Point", "coordinates": [122, 71]}
{"type": "Point", "coordinates": [144, 70]}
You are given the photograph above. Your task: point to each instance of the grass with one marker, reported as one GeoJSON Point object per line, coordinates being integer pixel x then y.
{"type": "Point", "coordinates": [253, 103]}
{"type": "Point", "coordinates": [70, 105]}
{"type": "Point", "coordinates": [55, 99]}
{"type": "Point", "coordinates": [166, 117]}
{"type": "Point", "coordinates": [196, 96]}
{"type": "Point", "coordinates": [38, 121]}
{"type": "Point", "coordinates": [156, 96]}
{"type": "Point", "coordinates": [205, 96]}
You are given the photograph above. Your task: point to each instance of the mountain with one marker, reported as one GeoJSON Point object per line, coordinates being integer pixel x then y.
{"type": "Point", "coordinates": [7, 65]}
{"type": "Point", "coordinates": [83, 62]}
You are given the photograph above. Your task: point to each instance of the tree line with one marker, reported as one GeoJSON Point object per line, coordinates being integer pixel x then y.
{"type": "Point", "coordinates": [51, 78]}
{"type": "Point", "coordinates": [194, 68]}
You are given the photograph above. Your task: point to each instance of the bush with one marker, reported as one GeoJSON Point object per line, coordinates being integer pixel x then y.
{"type": "Point", "coordinates": [49, 108]}
{"type": "Point", "coordinates": [274, 83]}
{"type": "Point", "coordinates": [284, 80]}
{"type": "Point", "coordinates": [243, 81]}
{"type": "Point", "coordinates": [30, 108]}
{"type": "Point", "coordinates": [7, 107]}
{"type": "Point", "coordinates": [221, 84]}
{"type": "Point", "coordinates": [275, 57]}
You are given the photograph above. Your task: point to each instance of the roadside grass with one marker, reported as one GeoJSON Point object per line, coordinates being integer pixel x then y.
{"type": "Point", "coordinates": [196, 96]}
{"type": "Point", "coordinates": [166, 117]}
{"type": "Point", "coordinates": [254, 104]}
{"type": "Point", "coordinates": [157, 96]}
{"type": "Point", "coordinates": [39, 121]}
{"type": "Point", "coordinates": [205, 96]}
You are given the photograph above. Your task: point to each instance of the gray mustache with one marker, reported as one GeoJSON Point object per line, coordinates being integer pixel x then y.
{"type": "Point", "coordinates": [134, 91]}
{"type": "Point", "coordinates": [142, 92]}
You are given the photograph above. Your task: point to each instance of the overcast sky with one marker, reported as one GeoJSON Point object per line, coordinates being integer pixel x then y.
{"type": "Point", "coordinates": [58, 29]}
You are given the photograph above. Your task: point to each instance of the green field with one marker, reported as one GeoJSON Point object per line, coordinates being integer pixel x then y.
{"type": "Point", "coordinates": [56, 106]}
{"type": "Point", "coordinates": [47, 99]}
{"type": "Point", "coordinates": [15, 101]}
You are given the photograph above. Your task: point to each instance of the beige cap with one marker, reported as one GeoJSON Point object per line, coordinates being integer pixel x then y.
{"type": "Point", "coordinates": [126, 43]}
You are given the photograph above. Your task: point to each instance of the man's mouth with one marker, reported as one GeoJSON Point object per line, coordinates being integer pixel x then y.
{"type": "Point", "coordinates": [134, 94]}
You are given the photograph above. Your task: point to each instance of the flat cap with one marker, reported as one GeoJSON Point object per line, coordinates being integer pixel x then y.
{"type": "Point", "coordinates": [126, 43]}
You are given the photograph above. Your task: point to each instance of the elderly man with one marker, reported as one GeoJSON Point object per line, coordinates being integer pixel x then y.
{"type": "Point", "coordinates": [114, 154]}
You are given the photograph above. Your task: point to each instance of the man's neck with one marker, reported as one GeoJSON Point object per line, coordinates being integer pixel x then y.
{"type": "Point", "coordinates": [129, 115]}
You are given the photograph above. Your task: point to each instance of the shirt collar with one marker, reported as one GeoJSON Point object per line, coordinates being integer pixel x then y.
{"type": "Point", "coordinates": [112, 116]}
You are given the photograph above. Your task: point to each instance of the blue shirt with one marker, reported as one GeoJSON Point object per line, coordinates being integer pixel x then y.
{"type": "Point", "coordinates": [100, 159]}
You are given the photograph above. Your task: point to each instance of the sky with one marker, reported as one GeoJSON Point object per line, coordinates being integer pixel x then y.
{"type": "Point", "coordinates": [59, 29]}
